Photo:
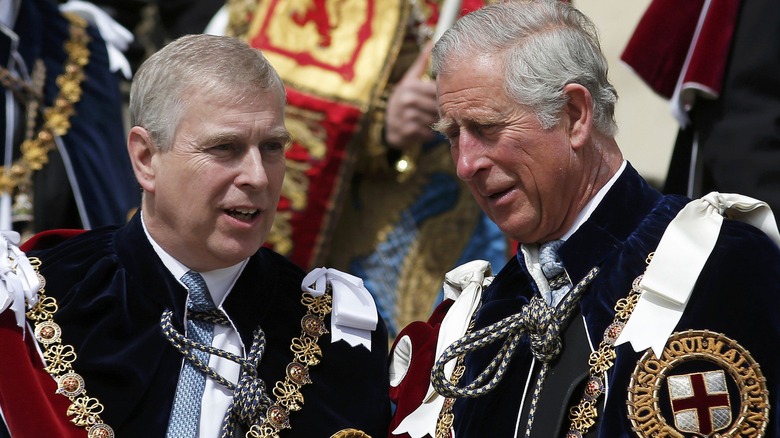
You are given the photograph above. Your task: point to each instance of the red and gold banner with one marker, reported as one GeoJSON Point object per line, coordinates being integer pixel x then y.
{"type": "Point", "coordinates": [335, 57]}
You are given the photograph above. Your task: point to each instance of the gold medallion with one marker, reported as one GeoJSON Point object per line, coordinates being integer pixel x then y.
{"type": "Point", "coordinates": [704, 384]}
{"type": "Point", "coordinates": [350, 433]}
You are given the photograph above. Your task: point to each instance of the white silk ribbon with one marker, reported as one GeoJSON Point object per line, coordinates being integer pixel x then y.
{"type": "Point", "coordinates": [463, 284]}
{"type": "Point", "coordinates": [116, 37]}
{"type": "Point", "coordinates": [354, 314]}
{"type": "Point", "coordinates": [19, 282]}
{"type": "Point", "coordinates": [684, 248]}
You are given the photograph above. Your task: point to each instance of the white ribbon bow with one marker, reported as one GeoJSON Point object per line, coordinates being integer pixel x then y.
{"type": "Point", "coordinates": [19, 282]}
{"type": "Point", "coordinates": [116, 37]}
{"type": "Point", "coordinates": [354, 314]}
{"type": "Point", "coordinates": [463, 284]}
{"type": "Point", "coordinates": [686, 245]}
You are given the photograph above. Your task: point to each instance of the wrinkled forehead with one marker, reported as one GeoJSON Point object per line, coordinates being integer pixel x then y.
{"type": "Point", "coordinates": [482, 74]}
{"type": "Point", "coordinates": [234, 92]}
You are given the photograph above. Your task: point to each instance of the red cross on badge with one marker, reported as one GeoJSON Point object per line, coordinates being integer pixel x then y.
{"type": "Point", "coordinates": [700, 402]}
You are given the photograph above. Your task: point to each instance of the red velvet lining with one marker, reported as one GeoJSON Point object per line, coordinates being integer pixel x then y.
{"type": "Point", "coordinates": [27, 393]}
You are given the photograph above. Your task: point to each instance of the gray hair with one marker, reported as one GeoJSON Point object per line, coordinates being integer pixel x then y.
{"type": "Point", "coordinates": [196, 64]}
{"type": "Point", "coordinates": [545, 45]}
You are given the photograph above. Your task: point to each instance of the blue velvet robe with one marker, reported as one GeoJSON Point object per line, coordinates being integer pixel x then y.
{"type": "Point", "coordinates": [737, 294]}
{"type": "Point", "coordinates": [112, 288]}
{"type": "Point", "coordinates": [93, 185]}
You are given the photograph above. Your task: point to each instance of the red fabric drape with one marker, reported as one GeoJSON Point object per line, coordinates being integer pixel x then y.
{"type": "Point", "coordinates": [30, 405]}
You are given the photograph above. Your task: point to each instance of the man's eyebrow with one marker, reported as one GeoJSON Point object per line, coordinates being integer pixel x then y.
{"type": "Point", "coordinates": [283, 136]}
{"type": "Point", "coordinates": [227, 137]}
{"type": "Point", "coordinates": [442, 126]}
{"type": "Point", "coordinates": [220, 138]}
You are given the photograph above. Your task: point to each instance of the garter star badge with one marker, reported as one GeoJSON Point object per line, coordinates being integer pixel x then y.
{"type": "Point", "coordinates": [704, 384]}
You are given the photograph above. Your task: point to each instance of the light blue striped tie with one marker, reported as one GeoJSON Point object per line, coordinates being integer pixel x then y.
{"type": "Point", "coordinates": [185, 417]}
{"type": "Point", "coordinates": [553, 270]}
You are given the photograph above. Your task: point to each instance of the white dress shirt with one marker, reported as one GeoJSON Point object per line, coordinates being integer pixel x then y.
{"type": "Point", "coordinates": [216, 398]}
{"type": "Point", "coordinates": [531, 252]}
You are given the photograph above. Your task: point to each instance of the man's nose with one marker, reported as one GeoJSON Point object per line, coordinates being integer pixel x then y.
{"type": "Point", "coordinates": [469, 155]}
{"type": "Point", "coordinates": [252, 170]}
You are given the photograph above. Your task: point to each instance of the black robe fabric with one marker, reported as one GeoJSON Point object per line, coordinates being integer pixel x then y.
{"type": "Point", "coordinates": [737, 294]}
{"type": "Point", "coordinates": [112, 289]}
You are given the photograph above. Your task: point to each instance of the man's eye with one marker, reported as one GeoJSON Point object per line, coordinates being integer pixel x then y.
{"type": "Point", "coordinates": [223, 147]}
{"type": "Point", "coordinates": [486, 129]}
{"type": "Point", "coordinates": [273, 148]}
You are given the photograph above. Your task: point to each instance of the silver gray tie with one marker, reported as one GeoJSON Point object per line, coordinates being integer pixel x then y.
{"type": "Point", "coordinates": [185, 417]}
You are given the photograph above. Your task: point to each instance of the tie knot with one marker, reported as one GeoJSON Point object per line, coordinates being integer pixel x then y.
{"type": "Point", "coordinates": [200, 299]}
{"type": "Point", "coordinates": [548, 259]}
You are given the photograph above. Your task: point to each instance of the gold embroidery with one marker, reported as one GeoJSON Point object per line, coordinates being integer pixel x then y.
{"type": "Point", "coordinates": [339, 52]}
{"type": "Point", "coordinates": [240, 13]}
{"type": "Point", "coordinates": [436, 248]}
{"type": "Point", "coordinates": [57, 117]}
{"type": "Point", "coordinates": [307, 131]}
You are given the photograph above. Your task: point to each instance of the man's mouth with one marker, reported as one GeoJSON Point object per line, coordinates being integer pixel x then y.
{"type": "Point", "coordinates": [243, 214]}
{"type": "Point", "coordinates": [498, 194]}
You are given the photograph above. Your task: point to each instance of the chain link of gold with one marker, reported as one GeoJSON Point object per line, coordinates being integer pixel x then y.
{"type": "Point", "coordinates": [446, 416]}
{"type": "Point", "coordinates": [56, 119]}
{"type": "Point", "coordinates": [307, 353]}
{"type": "Point", "coordinates": [584, 414]}
{"type": "Point", "coordinates": [84, 410]}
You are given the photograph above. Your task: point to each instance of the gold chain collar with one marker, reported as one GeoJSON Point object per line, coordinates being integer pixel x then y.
{"type": "Point", "coordinates": [584, 414]}
{"type": "Point", "coordinates": [307, 353]}
{"type": "Point", "coordinates": [85, 411]}
{"type": "Point", "coordinates": [56, 122]}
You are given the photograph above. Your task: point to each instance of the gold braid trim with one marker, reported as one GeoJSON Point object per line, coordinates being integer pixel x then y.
{"type": "Point", "coordinates": [56, 122]}
{"type": "Point", "coordinates": [84, 410]}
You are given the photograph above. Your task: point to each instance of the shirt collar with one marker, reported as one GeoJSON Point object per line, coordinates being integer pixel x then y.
{"type": "Point", "coordinates": [593, 203]}
{"type": "Point", "coordinates": [219, 281]}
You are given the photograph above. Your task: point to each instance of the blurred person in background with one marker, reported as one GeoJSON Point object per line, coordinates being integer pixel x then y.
{"type": "Point", "coordinates": [65, 164]}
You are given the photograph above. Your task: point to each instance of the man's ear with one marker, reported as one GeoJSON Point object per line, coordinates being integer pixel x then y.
{"type": "Point", "coordinates": [141, 150]}
{"type": "Point", "coordinates": [579, 114]}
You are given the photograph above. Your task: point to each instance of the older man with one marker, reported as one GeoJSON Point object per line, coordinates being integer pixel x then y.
{"type": "Point", "coordinates": [179, 323]}
{"type": "Point", "coordinates": [625, 312]}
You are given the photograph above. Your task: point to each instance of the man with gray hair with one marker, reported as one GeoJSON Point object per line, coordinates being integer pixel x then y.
{"type": "Point", "coordinates": [178, 323]}
{"type": "Point", "coordinates": [625, 312]}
